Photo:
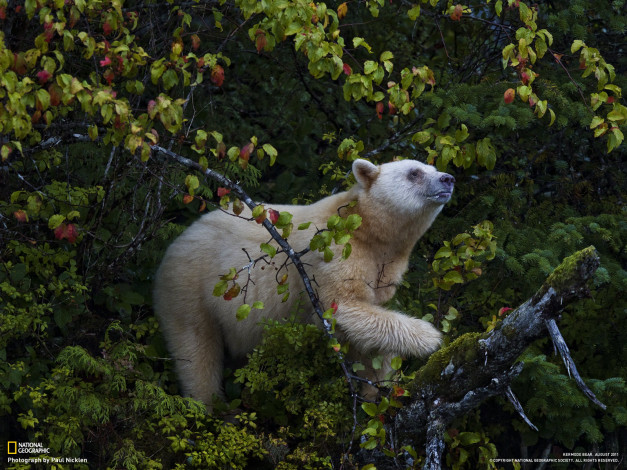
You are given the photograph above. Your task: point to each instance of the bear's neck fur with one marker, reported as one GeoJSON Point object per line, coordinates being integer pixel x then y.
{"type": "Point", "coordinates": [395, 234]}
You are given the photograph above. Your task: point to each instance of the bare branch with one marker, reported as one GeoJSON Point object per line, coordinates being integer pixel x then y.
{"type": "Point", "coordinates": [518, 407]}
{"type": "Point", "coordinates": [562, 347]}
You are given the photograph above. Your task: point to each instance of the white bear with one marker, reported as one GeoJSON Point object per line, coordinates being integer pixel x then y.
{"type": "Point", "coordinates": [397, 201]}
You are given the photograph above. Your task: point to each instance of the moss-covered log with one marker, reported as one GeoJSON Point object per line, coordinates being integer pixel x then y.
{"type": "Point", "coordinates": [476, 366]}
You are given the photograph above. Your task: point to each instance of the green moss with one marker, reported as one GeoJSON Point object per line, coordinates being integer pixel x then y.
{"type": "Point", "coordinates": [564, 275]}
{"type": "Point", "coordinates": [464, 349]}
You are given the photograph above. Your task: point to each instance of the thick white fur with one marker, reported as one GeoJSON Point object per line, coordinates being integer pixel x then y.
{"type": "Point", "coordinates": [396, 209]}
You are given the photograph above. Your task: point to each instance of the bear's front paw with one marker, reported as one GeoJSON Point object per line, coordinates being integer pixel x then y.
{"type": "Point", "coordinates": [428, 338]}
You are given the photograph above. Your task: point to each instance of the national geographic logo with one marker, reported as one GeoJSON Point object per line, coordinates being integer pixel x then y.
{"type": "Point", "coordinates": [15, 448]}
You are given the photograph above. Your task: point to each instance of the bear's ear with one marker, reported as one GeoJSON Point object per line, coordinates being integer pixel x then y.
{"type": "Point", "coordinates": [365, 173]}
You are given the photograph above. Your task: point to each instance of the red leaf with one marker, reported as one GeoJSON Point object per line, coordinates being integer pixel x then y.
{"type": "Point", "coordinates": [347, 69]}
{"type": "Point", "coordinates": [221, 150]}
{"type": "Point", "coordinates": [247, 149]}
{"type": "Point", "coordinates": [43, 76]}
{"type": "Point", "coordinates": [109, 75]}
{"type": "Point", "coordinates": [273, 215]}
{"type": "Point", "coordinates": [610, 99]}
{"type": "Point", "coordinates": [67, 231]}
{"type": "Point", "coordinates": [223, 192]}
{"type": "Point", "coordinates": [56, 94]}
{"type": "Point", "coordinates": [379, 109]}
{"type": "Point", "coordinates": [334, 307]}
{"type": "Point", "coordinates": [71, 233]}
{"type": "Point", "coordinates": [398, 391]}
{"type": "Point", "coordinates": [525, 78]}
{"type": "Point", "coordinates": [151, 108]}
{"type": "Point", "coordinates": [106, 28]}
{"type": "Point", "coordinates": [48, 32]}
{"type": "Point", "coordinates": [217, 75]}
{"type": "Point", "coordinates": [457, 13]}
{"type": "Point", "coordinates": [187, 199]}
{"type": "Point", "coordinates": [392, 108]}
{"type": "Point", "coordinates": [261, 40]}
{"type": "Point", "coordinates": [232, 292]}
{"type": "Point", "coordinates": [509, 95]}
{"type": "Point", "coordinates": [3, 13]}
{"type": "Point", "coordinates": [261, 218]}
{"type": "Point", "coordinates": [195, 41]}
{"type": "Point", "coordinates": [504, 310]}
{"type": "Point", "coordinates": [532, 101]}
{"type": "Point", "coordinates": [21, 216]}
{"type": "Point", "coordinates": [106, 61]}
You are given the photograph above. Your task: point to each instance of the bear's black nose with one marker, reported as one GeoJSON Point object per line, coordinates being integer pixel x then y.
{"type": "Point", "coordinates": [447, 179]}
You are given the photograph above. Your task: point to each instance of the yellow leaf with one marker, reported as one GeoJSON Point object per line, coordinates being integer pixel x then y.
{"type": "Point", "coordinates": [342, 10]}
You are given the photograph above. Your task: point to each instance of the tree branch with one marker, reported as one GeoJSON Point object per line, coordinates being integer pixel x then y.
{"type": "Point", "coordinates": [476, 366]}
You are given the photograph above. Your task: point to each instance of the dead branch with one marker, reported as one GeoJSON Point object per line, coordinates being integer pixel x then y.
{"type": "Point", "coordinates": [477, 366]}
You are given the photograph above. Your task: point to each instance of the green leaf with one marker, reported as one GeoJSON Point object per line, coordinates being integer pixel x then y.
{"type": "Point", "coordinates": [371, 409]}
{"type": "Point", "coordinates": [353, 222]}
{"type": "Point", "coordinates": [386, 55]}
{"type": "Point", "coordinates": [596, 121]}
{"type": "Point", "coordinates": [414, 12]}
{"type": "Point", "coordinates": [271, 151]}
{"type": "Point", "coordinates": [577, 44]}
{"type": "Point", "coordinates": [357, 41]}
{"type": "Point", "coordinates": [346, 252]}
{"type": "Point", "coordinates": [333, 221]}
{"type": "Point", "coordinates": [242, 312]}
{"type": "Point", "coordinates": [304, 226]}
{"type": "Point", "coordinates": [258, 305]}
{"type": "Point", "coordinates": [397, 363]}
{"type": "Point", "coordinates": [357, 366]}
{"type": "Point", "coordinates": [170, 79]}
{"type": "Point", "coordinates": [370, 66]}
{"type": "Point", "coordinates": [444, 252]}
{"type": "Point", "coordinates": [468, 438]}
{"type": "Point", "coordinates": [220, 288]}
{"type": "Point", "coordinates": [454, 276]}
{"type": "Point", "coordinates": [268, 249]}
{"type": "Point", "coordinates": [55, 221]}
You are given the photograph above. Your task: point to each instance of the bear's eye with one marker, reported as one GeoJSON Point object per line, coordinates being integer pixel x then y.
{"type": "Point", "coordinates": [414, 175]}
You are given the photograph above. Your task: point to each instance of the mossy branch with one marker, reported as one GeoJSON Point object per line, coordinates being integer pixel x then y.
{"type": "Point", "coordinates": [476, 366]}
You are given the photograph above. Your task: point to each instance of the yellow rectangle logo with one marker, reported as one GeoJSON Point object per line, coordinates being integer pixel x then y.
{"type": "Point", "coordinates": [12, 447]}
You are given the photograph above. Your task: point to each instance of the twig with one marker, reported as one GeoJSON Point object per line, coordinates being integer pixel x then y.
{"type": "Point", "coordinates": [559, 61]}
{"type": "Point", "coordinates": [562, 347]}
{"type": "Point", "coordinates": [518, 407]}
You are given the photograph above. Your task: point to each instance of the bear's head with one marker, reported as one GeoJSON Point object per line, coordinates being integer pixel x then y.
{"type": "Point", "coordinates": [405, 188]}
